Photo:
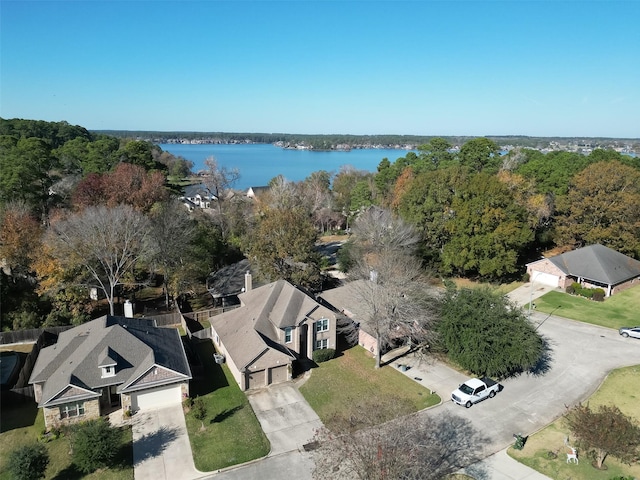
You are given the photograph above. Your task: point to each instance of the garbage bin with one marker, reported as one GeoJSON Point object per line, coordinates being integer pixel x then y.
{"type": "Point", "coordinates": [218, 358]}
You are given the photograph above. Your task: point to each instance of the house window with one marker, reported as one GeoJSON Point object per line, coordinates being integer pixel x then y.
{"type": "Point", "coordinates": [322, 325]}
{"type": "Point", "coordinates": [69, 410]}
{"type": "Point", "coordinates": [322, 344]}
{"type": "Point", "coordinates": [108, 371]}
{"type": "Point", "coordinates": [287, 335]}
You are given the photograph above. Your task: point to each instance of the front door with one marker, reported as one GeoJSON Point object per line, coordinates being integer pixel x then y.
{"type": "Point", "coordinates": [113, 396]}
{"type": "Point", "coordinates": [304, 329]}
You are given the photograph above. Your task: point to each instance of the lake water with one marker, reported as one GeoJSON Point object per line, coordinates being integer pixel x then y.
{"type": "Point", "coordinates": [259, 163]}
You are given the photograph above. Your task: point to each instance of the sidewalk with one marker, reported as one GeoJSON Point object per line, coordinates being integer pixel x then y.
{"type": "Point", "coordinates": [440, 378]}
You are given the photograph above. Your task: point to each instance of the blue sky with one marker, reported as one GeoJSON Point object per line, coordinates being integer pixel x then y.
{"type": "Point", "coordinates": [539, 68]}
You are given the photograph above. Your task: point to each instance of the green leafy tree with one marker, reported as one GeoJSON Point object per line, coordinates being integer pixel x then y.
{"type": "Point", "coordinates": [139, 153]}
{"type": "Point", "coordinates": [487, 230]}
{"type": "Point", "coordinates": [552, 172]}
{"type": "Point", "coordinates": [435, 154]}
{"type": "Point", "coordinates": [199, 410]}
{"type": "Point", "coordinates": [282, 245]}
{"type": "Point", "coordinates": [95, 444]}
{"type": "Point", "coordinates": [602, 206]}
{"type": "Point", "coordinates": [483, 332]}
{"type": "Point", "coordinates": [480, 155]}
{"type": "Point", "coordinates": [28, 462]}
{"type": "Point", "coordinates": [427, 202]}
{"type": "Point", "coordinates": [27, 172]}
{"type": "Point", "coordinates": [603, 432]}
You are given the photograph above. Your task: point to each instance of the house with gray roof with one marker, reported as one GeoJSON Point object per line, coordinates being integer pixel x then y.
{"type": "Point", "coordinates": [275, 325]}
{"type": "Point", "coordinates": [109, 363]}
{"type": "Point", "coordinates": [594, 266]}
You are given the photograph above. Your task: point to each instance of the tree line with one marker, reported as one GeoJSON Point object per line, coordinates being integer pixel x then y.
{"type": "Point", "coordinates": [477, 213]}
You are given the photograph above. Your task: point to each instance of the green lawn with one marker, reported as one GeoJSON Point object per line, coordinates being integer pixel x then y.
{"type": "Point", "coordinates": [352, 376]}
{"type": "Point", "coordinates": [617, 311]}
{"type": "Point", "coordinates": [232, 433]}
{"type": "Point", "coordinates": [23, 424]}
{"type": "Point", "coordinates": [620, 388]}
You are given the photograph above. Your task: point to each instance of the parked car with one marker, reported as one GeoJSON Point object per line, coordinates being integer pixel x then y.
{"type": "Point", "coordinates": [630, 332]}
{"type": "Point", "coordinates": [475, 390]}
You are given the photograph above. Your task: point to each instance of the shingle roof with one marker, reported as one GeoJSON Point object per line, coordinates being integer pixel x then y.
{"type": "Point", "coordinates": [348, 299]}
{"type": "Point", "coordinates": [599, 263]}
{"type": "Point", "coordinates": [252, 330]}
{"type": "Point", "coordinates": [135, 345]}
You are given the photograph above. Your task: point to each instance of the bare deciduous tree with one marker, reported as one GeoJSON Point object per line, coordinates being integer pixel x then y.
{"type": "Point", "coordinates": [103, 244]}
{"type": "Point", "coordinates": [172, 231]}
{"type": "Point", "coordinates": [218, 181]}
{"type": "Point", "coordinates": [394, 297]}
{"type": "Point", "coordinates": [416, 446]}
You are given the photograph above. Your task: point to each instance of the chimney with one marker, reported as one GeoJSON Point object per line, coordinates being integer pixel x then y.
{"type": "Point", "coordinates": [128, 309]}
{"type": "Point", "coordinates": [247, 281]}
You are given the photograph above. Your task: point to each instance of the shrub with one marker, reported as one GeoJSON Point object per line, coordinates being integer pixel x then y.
{"type": "Point", "coordinates": [95, 444]}
{"type": "Point", "coordinates": [323, 355]}
{"type": "Point", "coordinates": [28, 462]}
{"type": "Point", "coordinates": [199, 408]}
{"type": "Point", "coordinates": [526, 277]}
{"type": "Point", "coordinates": [570, 290]}
{"type": "Point", "coordinates": [598, 295]}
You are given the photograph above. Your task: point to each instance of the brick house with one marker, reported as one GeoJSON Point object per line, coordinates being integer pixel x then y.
{"type": "Point", "coordinates": [109, 363]}
{"type": "Point", "coordinates": [275, 325]}
{"type": "Point", "coordinates": [594, 266]}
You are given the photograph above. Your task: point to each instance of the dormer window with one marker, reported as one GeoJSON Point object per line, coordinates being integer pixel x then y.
{"type": "Point", "coordinates": [108, 362]}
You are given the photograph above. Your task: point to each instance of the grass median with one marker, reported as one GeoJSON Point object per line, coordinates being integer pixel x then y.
{"type": "Point", "coordinates": [546, 452]}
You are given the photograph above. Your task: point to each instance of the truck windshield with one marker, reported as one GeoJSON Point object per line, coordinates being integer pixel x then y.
{"type": "Point", "coordinates": [466, 389]}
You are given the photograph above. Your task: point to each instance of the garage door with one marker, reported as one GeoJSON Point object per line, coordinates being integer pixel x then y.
{"type": "Point", "coordinates": [278, 374]}
{"type": "Point", "coordinates": [255, 379]}
{"type": "Point", "coordinates": [545, 279]}
{"type": "Point", "coordinates": [156, 397]}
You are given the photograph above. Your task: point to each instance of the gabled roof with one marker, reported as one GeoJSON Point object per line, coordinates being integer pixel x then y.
{"type": "Point", "coordinates": [190, 191]}
{"type": "Point", "coordinates": [252, 331]}
{"type": "Point", "coordinates": [132, 345]}
{"type": "Point", "coordinates": [348, 299]}
{"type": "Point", "coordinates": [255, 191]}
{"type": "Point", "coordinates": [599, 263]}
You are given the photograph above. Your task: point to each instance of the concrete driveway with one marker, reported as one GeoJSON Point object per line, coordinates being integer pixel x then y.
{"type": "Point", "coordinates": [161, 446]}
{"type": "Point", "coordinates": [285, 416]}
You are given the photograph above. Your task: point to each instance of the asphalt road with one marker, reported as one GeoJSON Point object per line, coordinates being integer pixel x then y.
{"type": "Point", "coordinates": [581, 356]}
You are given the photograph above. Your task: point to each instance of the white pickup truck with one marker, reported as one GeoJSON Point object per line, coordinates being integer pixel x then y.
{"type": "Point", "coordinates": [474, 391]}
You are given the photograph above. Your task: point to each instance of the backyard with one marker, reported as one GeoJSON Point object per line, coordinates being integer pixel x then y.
{"type": "Point", "coordinates": [545, 451]}
{"type": "Point", "coordinates": [617, 311]}
{"type": "Point", "coordinates": [350, 377]}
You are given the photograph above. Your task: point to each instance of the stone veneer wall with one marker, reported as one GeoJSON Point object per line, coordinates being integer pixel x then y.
{"type": "Point", "coordinates": [52, 414]}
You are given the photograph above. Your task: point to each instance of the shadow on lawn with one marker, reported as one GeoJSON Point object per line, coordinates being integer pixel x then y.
{"type": "Point", "coordinates": [18, 416]}
{"type": "Point", "coordinates": [226, 414]}
{"type": "Point", "coordinates": [213, 376]}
